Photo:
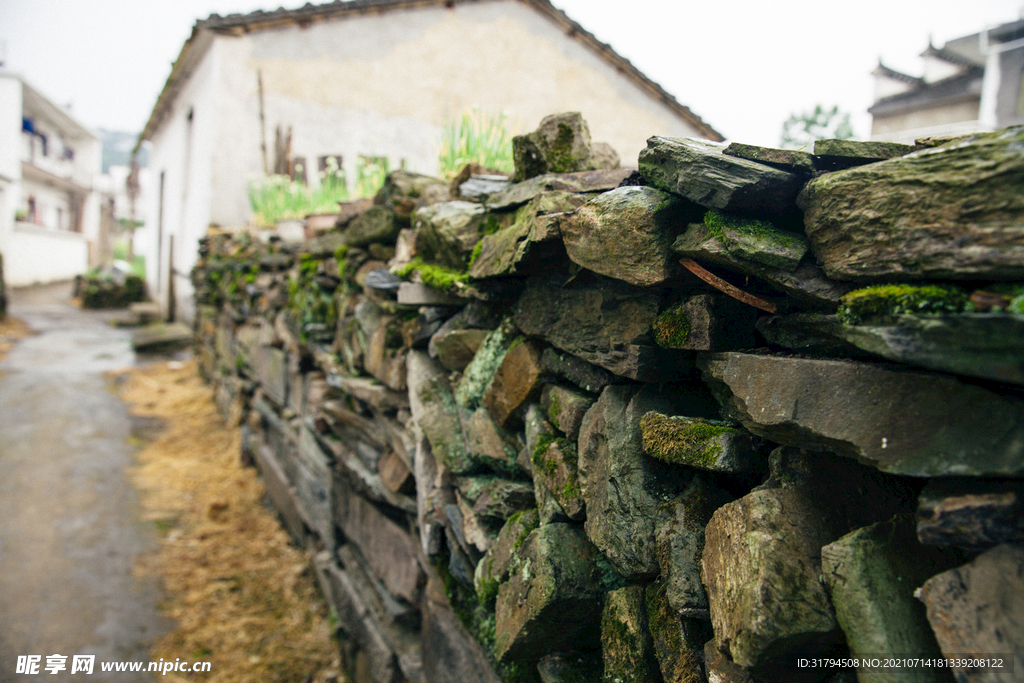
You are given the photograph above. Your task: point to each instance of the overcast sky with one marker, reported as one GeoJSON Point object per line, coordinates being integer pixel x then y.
{"type": "Point", "coordinates": [741, 65]}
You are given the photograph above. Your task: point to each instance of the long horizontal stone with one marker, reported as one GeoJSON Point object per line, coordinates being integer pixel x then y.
{"type": "Point", "coordinates": [900, 422]}
{"type": "Point", "coordinates": [699, 171]}
{"type": "Point", "coordinates": [581, 181]}
{"type": "Point", "coordinates": [949, 212]}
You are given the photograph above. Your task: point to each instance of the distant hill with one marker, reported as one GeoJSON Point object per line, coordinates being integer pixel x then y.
{"type": "Point", "coordinates": [117, 148]}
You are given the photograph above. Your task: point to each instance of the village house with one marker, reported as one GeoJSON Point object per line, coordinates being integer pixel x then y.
{"type": "Point", "coordinates": [49, 209]}
{"type": "Point", "coordinates": [970, 84]}
{"type": "Point", "coordinates": [369, 79]}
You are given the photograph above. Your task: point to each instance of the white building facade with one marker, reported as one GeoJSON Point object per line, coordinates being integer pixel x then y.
{"type": "Point", "coordinates": [49, 209]}
{"type": "Point", "coordinates": [370, 78]}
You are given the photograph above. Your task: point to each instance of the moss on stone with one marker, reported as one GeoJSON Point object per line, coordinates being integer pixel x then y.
{"type": "Point", "coordinates": [432, 274]}
{"type": "Point", "coordinates": [554, 410]}
{"type": "Point", "coordinates": [475, 254]}
{"type": "Point", "coordinates": [878, 301]}
{"type": "Point", "coordinates": [683, 440]}
{"type": "Point", "coordinates": [761, 231]}
{"type": "Point", "coordinates": [672, 327]}
{"type": "Point", "coordinates": [559, 155]}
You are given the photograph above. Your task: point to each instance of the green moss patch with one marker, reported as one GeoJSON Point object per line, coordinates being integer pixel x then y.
{"type": "Point", "coordinates": [879, 301]}
{"type": "Point", "coordinates": [672, 327]}
{"type": "Point", "coordinates": [438, 277]}
{"type": "Point", "coordinates": [683, 440]}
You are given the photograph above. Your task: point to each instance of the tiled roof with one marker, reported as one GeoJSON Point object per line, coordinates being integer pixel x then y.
{"type": "Point", "coordinates": [960, 86]}
{"type": "Point", "coordinates": [260, 20]}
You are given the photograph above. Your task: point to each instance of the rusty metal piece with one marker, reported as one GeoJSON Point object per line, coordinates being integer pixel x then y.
{"type": "Point", "coordinates": [724, 287]}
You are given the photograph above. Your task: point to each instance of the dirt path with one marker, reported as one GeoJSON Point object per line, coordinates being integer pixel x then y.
{"type": "Point", "coordinates": [69, 535]}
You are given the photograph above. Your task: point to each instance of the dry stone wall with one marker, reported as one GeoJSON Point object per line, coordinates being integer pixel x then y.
{"type": "Point", "coordinates": [741, 415]}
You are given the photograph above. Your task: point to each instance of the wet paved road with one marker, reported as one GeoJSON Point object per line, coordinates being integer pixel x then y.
{"type": "Point", "coordinates": [69, 534]}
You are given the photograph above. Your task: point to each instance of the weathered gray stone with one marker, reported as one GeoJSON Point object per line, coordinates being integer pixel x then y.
{"type": "Point", "coordinates": [447, 232]}
{"type": "Point", "coordinates": [985, 345]}
{"type": "Point", "coordinates": [358, 625]}
{"type": "Point", "coordinates": [627, 234]}
{"type": "Point", "coordinates": [602, 321]}
{"type": "Point", "coordinates": [583, 181]}
{"type": "Point", "coordinates": [450, 654]}
{"type": "Point", "coordinates": [858, 149]}
{"type": "Point", "coordinates": [530, 239]}
{"type": "Point", "coordinates": [271, 366]}
{"type": "Point", "coordinates": [565, 408]}
{"type": "Point", "coordinates": [456, 348]}
{"type": "Point", "coordinates": [757, 240]}
{"type": "Point", "coordinates": [553, 601]}
{"type": "Point", "coordinates": [811, 332]}
{"type": "Point", "coordinates": [970, 513]}
{"type": "Point", "coordinates": [314, 486]}
{"type": "Point", "coordinates": [700, 172]}
{"type": "Point", "coordinates": [516, 381]}
{"type": "Point", "coordinates": [678, 643]}
{"type": "Point", "coordinates": [696, 442]}
{"type": "Point", "coordinates": [488, 441]}
{"type": "Point", "coordinates": [900, 422]}
{"type": "Point", "coordinates": [874, 222]}
{"type": "Point", "coordinates": [404, 192]}
{"type": "Point", "coordinates": [561, 144]}
{"type": "Point", "coordinates": [388, 549]}
{"type": "Point", "coordinates": [370, 392]}
{"type": "Point", "coordinates": [480, 372]}
{"type": "Point", "coordinates": [977, 610]}
{"type": "Point", "coordinates": [871, 575]}
{"type": "Point", "coordinates": [721, 669]}
{"type": "Point", "coordinates": [586, 376]}
{"type": "Point", "coordinates": [705, 322]}
{"type": "Point", "coordinates": [502, 498]}
{"type": "Point", "coordinates": [494, 568]}
{"type": "Point", "coordinates": [480, 187]}
{"type": "Point", "coordinates": [625, 639]}
{"type": "Point", "coordinates": [807, 284]}
{"type": "Point", "coordinates": [416, 294]}
{"type": "Point", "coordinates": [786, 159]}
{"type": "Point", "coordinates": [604, 156]}
{"type": "Point", "coordinates": [555, 469]}
{"type": "Point", "coordinates": [625, 489]}
{"type": "Point", "coordinates": [162, 337]}
{"type": "Point", "coordinates": [376, 224]}
{"type": "Point", "coordinates": [680, 542]}
{"type": "Point", "coordinates": [762, 557]}
{"type": "Point", "coordinates": [438, 419]}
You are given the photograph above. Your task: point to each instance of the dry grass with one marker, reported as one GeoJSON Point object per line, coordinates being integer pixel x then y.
{"type": "Point", "coordinates": [11, 330]}
{"type": "Point", "coordinates": [243, 596]}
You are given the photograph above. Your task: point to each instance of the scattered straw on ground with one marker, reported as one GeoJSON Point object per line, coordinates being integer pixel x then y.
{"type": "Point", "coordinates": [11, 330]}
{"type": "Point", "coordinates": [243, 596]}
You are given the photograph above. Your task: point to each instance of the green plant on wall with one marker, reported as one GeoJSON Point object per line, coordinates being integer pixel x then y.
{"type": "Point", "coordinates": [278, 197]}
{"type": "Point", "coordinates": [476, 137]}
{"type": "Point", "coordinates": [371, 171]}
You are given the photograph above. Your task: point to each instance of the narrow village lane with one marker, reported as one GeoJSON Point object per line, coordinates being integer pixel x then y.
{"type": "Point", "coordinates": [69, 529]}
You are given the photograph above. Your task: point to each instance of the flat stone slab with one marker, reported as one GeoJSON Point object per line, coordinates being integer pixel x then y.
{"type": "Point", "coordinates": [162, 337]}
{"type": "Point", "coordinates": [973, 514]}
{"type": "Point", "coordinates": [899, 422]}
{"type": "Point", "coordinates": [699, 171]}
{"type": "Point", "coordinates": [874, 222]}
{"type": "Point", "coordinates": [788, 159]}
{"type": "Point", "coordinates": [582, 181]}
{"type": "Point", "coordinates": [985, 345]}
{"type": "Point", "coordinates": [856, 149]}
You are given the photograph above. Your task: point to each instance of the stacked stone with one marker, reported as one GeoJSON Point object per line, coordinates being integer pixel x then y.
{"type": "Point", "coordinates": [650, 426]}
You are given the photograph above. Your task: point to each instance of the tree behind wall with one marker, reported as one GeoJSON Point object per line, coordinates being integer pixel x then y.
{"type": "Point", "coordinates": [801, 130]}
